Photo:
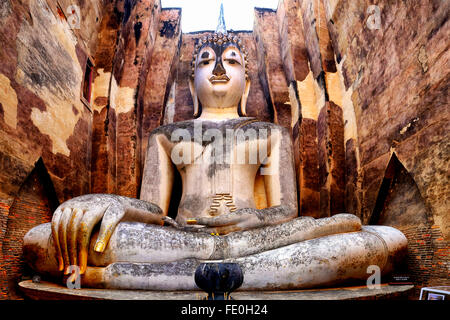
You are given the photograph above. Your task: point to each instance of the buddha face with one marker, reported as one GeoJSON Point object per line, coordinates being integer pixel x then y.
{"type": "Point", "coordinates": [219, 76]}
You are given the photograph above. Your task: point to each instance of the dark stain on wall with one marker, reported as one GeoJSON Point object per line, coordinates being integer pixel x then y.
{"type": "Point", "coordinates": [168, 29]}
{"type": "Point", "coordinates": [137, 30]}
{"type": "Point", "coordinates": [127, 7]}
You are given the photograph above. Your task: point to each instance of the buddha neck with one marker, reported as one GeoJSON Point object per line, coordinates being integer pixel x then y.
{"type": "Point", "coordinates": [219, 113]}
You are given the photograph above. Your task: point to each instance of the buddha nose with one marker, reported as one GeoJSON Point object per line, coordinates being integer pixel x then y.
{"type": "Point", "coordinates": [219, 70]}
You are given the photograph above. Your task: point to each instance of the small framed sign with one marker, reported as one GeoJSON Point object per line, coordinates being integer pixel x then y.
{"type": "Point", "coordinates": [435, 296]}
{"type": "Point", "coordinates": [435, 293]}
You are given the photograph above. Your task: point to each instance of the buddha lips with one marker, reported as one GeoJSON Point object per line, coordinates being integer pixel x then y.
{"type": "Point", "coordinates": [219, 79]}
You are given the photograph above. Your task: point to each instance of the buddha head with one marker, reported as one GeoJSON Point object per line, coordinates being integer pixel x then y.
{"type": "Point", "coordinates": [219, 74]}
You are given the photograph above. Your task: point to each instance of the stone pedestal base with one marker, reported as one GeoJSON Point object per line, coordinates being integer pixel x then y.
{"type": "Point", "coordinates": [50, 291]}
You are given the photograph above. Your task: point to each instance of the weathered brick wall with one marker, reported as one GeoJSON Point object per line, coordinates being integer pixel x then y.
{"type": "Point", "coordinates": [104, 118]}
{"type": "Point", "coordinates": [401, 205]}
{"type": "Point", "coordinates": [160, 77]}
{"type": "Point", "coordinates": [352, 96]}
{"type": "Point", "coordinates": [428, 257]}
{"type": "Point", "coordinates": [130, 89]}
{"type": "Point", "coordinates": [270, 66]}
{"type": "Point", "coordinates": [4, 211]}
{"type": "Point", "coordinates": [387, 87]}
{"type": "Point", "coordinates": [41, 112]}
{"type": "Point", "coordinates": [396, 81]}
{"type": "Point", "coordinates": [33, 205]}
{"type": "Point", "coordinates": [41, 115]}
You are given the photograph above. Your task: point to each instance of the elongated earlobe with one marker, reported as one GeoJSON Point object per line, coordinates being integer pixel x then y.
{"type": "Point", "coordinates": [194, 98]}
{"type": "Point", "coordinates": [243, 105]}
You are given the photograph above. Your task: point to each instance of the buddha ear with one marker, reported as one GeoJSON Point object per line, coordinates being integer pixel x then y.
{"type": "Point", "coordinates": [194, 97]}
{"type": "Point", "coordinates": [243, 105]}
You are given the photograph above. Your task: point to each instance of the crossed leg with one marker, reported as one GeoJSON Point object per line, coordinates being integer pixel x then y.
{"type": "Point", "coordinates": [138, 242]}
{"type": "Point", "coordinates": [143, 256]}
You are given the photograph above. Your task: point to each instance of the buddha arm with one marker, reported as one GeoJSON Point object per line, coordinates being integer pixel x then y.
{"type": "Point", "coordinates": [157, 180]}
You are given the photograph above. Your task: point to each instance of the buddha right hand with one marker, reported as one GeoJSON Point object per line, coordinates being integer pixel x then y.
{"type": "Point", "coordinates": [74, 220]}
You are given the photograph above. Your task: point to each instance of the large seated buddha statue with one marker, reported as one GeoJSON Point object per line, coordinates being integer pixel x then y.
{"type": "Point", "coordinates": [238, 204]}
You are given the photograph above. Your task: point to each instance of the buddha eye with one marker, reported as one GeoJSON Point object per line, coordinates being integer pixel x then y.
{"type": "Point", "coordinates": [232, 61]}
{"type": "Point", "coordinates": [204, 62]}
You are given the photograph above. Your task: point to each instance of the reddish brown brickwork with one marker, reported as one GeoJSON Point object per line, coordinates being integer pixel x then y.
{"type": "Point", "coordinates": [331, 159]}
{"type": "Point", "coordinates": [133, 53]}
{"type": "Point", "coordinates": [42, 79]}
{"type": "Point", "coordinates": [270, 65]}
{"type": "Point", "coordinates": [309, 173]}
{"type": "Point", "coordinates": [400, 204]}
{"type": "Point", "coordinates": [103, 122]}
{"type": "Point", "coordinates": [428, 257]}
{"type": "Point", "coordinates": [34, 205]}
{"type": "Point", "coordinates": [159, 79]}
{"type": "Point", "coordinates": [42, 69]}
{"type": "Point", "coordinates": [4, 211]}
{"type": "Point", "coordinates": [398, 84]}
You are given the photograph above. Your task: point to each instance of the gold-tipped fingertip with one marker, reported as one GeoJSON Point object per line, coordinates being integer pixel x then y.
{"type": "Point", "coordinates": [66, 270]}
{"type": "Point", "coordinates": [99, 247]}
{"type": "Point", "coordinates": [83, 261]}
{"type": "Point", "coordinates": [191, 221]}
{"type": "Point", "coordinates": [60, 265]}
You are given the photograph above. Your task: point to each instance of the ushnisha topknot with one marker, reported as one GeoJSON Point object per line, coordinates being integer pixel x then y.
{"type": "Point", "coordinates": [220, 39]}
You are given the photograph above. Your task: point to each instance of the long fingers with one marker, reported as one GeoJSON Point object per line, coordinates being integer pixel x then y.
{"type": "Point", "coordinates": [62, 233]}
{"type": "Point", "coordinates": [111, 218]}
{"type": "Point", "coordinates": [55, 226]}
{"type": "Point", "coordinates": [72, 228]}
{"type": "Point", "coordinates": [89, 220]}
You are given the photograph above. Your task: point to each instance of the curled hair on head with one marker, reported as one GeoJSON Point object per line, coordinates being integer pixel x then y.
{"type": "Point", "coordinates": [220, 39]}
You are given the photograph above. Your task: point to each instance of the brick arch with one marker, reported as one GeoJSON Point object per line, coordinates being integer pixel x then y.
{"type": "Point", "coordinates": [399, 204]}
{"type": "Point", "coordinates": [395, 171]}
{"type": "Point", "coordinates": [33, 205]}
